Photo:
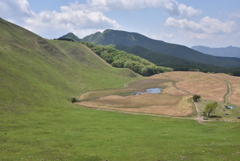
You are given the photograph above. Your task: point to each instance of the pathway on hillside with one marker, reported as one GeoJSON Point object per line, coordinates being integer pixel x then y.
{"type": "Point", "coordinates": [199, 117]}
{"type": "Point", "coordinates": [229, 91]}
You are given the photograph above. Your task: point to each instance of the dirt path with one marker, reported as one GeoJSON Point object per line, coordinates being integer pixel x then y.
{"type": "Point", "coordinates": [199, 117]}
{"type": "Point", "coordinates": [226, 96]}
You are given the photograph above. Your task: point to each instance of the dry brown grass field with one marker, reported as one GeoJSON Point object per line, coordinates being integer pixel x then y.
{"type": "Point", "coordinates": [171, 101]}
{"type": "Point", "coordinates": [203, 84]}
{"type": "Point", "coordinates": [235, 87]}
{"type": "Point", "coordinates": [174, 99]}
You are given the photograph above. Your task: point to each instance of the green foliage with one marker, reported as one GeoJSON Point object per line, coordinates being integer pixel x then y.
{"type": "Point", "coordinates": [209, 108]}
{"type": "Point", "coordinates": [196, 97]}
{"type": "Point", "coordinates": [73, 99]}
{"type": "Point", "coordinates": [121, 59]}
{"type": "Point", "coordinates": [235, 73]}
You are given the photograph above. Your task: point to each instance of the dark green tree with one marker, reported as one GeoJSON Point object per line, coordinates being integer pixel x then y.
{"type": "Point", "coordinates": [196, 97]}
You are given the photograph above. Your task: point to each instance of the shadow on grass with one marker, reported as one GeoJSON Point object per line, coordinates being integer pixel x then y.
{"type": "Point", "coordinates": [215, 116]}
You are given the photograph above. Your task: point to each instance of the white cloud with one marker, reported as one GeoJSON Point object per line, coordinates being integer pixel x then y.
{"type": "Point", "coordinates": [15, 9]}
{"type": "Point", "coordinates": [188, 11]}
{"type": "Point", "coordinates": [74, 19]}
{"type": "Point", "coordinates": [172, 7]}
{"type": "Point", "coordinates": [207, 25]}
{"type": "Point", "coordinates": [78, 18]}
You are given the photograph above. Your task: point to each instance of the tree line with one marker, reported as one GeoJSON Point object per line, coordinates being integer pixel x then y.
{"type": "Point", "coordinates": [122, 59]}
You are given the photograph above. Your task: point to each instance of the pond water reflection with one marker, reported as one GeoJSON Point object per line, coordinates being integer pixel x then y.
{"type": "Point", "coordinates": [150, 90]}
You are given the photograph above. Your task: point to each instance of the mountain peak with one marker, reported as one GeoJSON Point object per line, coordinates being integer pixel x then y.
{"type": "Point", "coordinates": [71, 36]}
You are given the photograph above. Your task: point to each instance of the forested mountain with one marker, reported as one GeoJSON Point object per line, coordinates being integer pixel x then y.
{"type": "Point", "coordinates": [166, 60]}
{"type": "Point", "coordinates": [134, 39]}
{"type": "Point", "coordinates": [229, 51]}
{"type": "Point", "coordinates": [70, 36]}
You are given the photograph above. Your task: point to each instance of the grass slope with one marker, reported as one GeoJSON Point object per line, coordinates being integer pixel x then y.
{"type": "Point", "coordinates": [38, 123]}
{"type": "Point", "coordinates": [36, 72]}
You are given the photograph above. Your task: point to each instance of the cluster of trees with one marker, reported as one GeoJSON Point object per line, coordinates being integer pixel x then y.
{"type": "Point", "coordinates": [121, 59]}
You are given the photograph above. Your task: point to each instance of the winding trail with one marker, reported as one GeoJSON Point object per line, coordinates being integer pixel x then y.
{"type": "Point", "coordinates": [226, 96]}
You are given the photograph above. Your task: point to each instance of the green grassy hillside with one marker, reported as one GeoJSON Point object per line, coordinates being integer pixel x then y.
{"type": "Point", "coordinates": [43, 73]}
{"type": "Point", "coordinates": [37, 122]}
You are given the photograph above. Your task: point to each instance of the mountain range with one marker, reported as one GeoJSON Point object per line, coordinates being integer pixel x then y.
{"type": "Point", "coordinates": [130, 39]}
{"type": "Point", "coordinates": [229, 51]}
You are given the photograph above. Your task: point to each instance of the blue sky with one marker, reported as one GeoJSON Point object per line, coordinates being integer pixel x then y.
{"type": "Point", "coordinates": [213, 23]}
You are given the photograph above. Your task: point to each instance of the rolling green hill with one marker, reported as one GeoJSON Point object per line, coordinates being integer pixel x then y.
{"type": "Point", "coordinates": [134, 39]}
{"type": "Point", "coordinates": [36, 72]}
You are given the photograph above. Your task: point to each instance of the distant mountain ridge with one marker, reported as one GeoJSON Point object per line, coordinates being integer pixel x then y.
{"type": "Point", "coordinates": [130, 39]}
{"type": "Point", "coordinates": [229, 51]}
{"type": "Point", "coordinates": [70, 36]}
{"type": "Point", "coordinates": [167, 60]}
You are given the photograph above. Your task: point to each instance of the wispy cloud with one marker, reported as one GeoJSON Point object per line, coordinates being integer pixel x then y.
{"type": "Point", "coordinates": [235, 14]}
{"type": "Point", "coordinates": [206, 25]}
{"type": "Point", "coordinates": [172, 7]}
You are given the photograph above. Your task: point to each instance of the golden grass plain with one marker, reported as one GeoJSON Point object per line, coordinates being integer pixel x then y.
{"type": "Point", "coordinates": [203, 84]}
{"type": "Point", "coordinates": [235, 87]}
{"type": "Point", "coordinates": [174, 97]}
{"type": "Point", "coordinates": [171, 101]}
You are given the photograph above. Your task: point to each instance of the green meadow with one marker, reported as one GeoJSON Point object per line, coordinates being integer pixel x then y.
{"type": "Point", "coordinates": [78, 133]}
{"type": "Point", "coordinates": [38, 122]}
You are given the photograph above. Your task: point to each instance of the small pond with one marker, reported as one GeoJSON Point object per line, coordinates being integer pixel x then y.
{"type": "Point", "coordinates": [150, 90]}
